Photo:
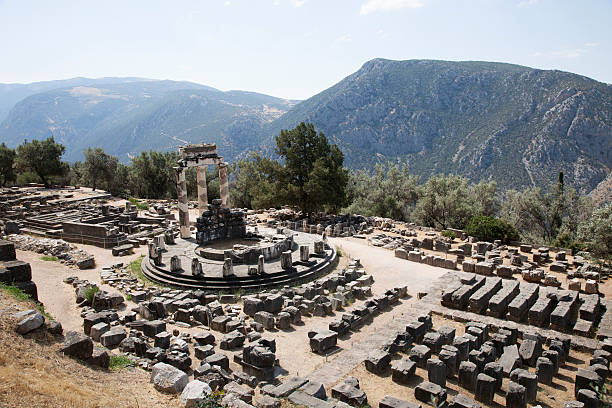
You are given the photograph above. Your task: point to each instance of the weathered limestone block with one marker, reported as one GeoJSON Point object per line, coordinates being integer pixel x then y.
{"type": "Point", "coordinates": [539, 314]}
{"type": "Point", "coordinates": [420, 354]}
{"type": "Point", "coordinates": [260, 265]}
{"type": "Point", "coordinates": [468, 373]}
{"type": "Point", "coordinates": [403, 370]}
{"type": "Point", "coordinates": [196, 267]}
{"type": "Point", "coordinates": [436, 372]}
{"type": "Point", "coordinates": [323, 340]}
{"type": "Point", "coordinates": [530, 382]}
{"type": "Point", "coordinates": [304, 253]}
{"type": "Point", "coordinates": [175, 264]}
{"type": "Point", "coordinates": [485, 388]}
{"type": "Point", "coordinates": [510, 359]}
{"type": "Point", "coordinates": [545, 370]}
{"type": "Point", "coordinates": [519, 307]}
{"type": "Point", "coordinates": [499, 302]}
{"type": "Point", "coordinates": [480, 299]}
{"type": "Point", "coordinates": [286, 261]}
{"type": "Point", "coordinates": [484, 268]}
{"type": "Point", "coordinates": [169, 379]}
{"type": "Point", "coordinates": [348, 392]}
{"type": "Point", "coordinates": [516, 396]}
{"type": "Point", "coordinates": [228, 267]}
{"type": "Point", "coordinates": [429, 392]}
{"type": "Point", "coordinates": [377, 362]}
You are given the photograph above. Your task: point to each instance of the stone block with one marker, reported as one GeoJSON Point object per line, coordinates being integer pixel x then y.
{"type": "Point", "coordinates": [485, 388]}
{"type": "Point", "coordinates": [402, 371]}
{"type": "Point", "coordinates": [468, 373]}
{"type": "Point", "coordinates": [436, 372]}
{"type": "Point", "coordinates": [420, 354]}
{"type": "Point", "coordinates": [430, 393]}
{"type": "Point", "coordinates": [516, 396]}
{"type": "Point", "coordinates": [530, 382]}
{"type": "Point", "coordinates": [168, 379]}
{"type": "Point", "coordinates": [377, 362]}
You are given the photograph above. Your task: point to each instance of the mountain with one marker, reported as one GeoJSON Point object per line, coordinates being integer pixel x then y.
{"type": "Point", "coordinates": [516, 125]}
{"type": "Point", "coordinates": [126, 117]}
{"type": "Point", "coordinates": [484, 120]}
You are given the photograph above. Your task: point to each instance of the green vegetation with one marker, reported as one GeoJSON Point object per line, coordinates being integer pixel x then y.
{"type": "Point", "coordinates": [90, 292]}
{"type": "Point", "coordinates": [489, 229]}
{"type": "Point", "coordinates": [20, 295]}
{"type": "Point", "coordinates": [7, 159]}
{"type": "Point", "coordinates": [99, 167]}
{"type": "Point", "coordinates": [448, 234]}
{"type": "Point", "coordinates": [49, 258]}
{"type": "Point", "coordinates": [310, 176]}
{"type": "Point", "coordinates": [119, 362]}
{"type": "Point", "coordinates": [42, 158]}
{"type": "Point", "coordinates": [596, 233]}
{"type": "Point", "coordinates": [212, 400]}
{"type": "Point", "coordinates": [139, 204]}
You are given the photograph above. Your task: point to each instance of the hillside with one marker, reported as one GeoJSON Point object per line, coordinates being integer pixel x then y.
{"type": "Point", "coordinates": [33, 373]}
{"type": "Point", "coordinates": [125, 118]}
{"type": "Point", "coordinates": [513, 124]}
{"type": "Point", "coordinates": [509, 123]}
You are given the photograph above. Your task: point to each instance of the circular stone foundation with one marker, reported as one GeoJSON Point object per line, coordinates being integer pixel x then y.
{"type": "Point", "coordinates": [244, 255]}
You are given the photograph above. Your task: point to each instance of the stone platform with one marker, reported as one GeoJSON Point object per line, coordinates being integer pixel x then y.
{"type": "Point", "coordinates": [212, 278]}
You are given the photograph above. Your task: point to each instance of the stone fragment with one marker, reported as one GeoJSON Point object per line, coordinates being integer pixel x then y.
{"type": "Point", "coordinates": [377, 362]}
{"type": "Point", "coordinates": [485, 388]}
{"type": "Point", "coordinates": [436, 372]}
{"type": "Point", "coordinates": [403, 370]}
{"type": "Point", "coordinates": [430, 393]}
{"type": "Point", "coordinates": [468, 373]}
{"type": "Point", "coordinates": [516, 396]}
{"type": "Point", "coordinates": [545, 370]}
{"type": "Point", "coordinates": [77, 345]}
{"type": "Point", "coordinates": [30, 323]}
{"type": "Point", "coordinates": [168, 379]}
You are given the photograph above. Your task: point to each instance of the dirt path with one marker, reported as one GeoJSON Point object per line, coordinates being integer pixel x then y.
{"type": "Point", "coordinates": [58, 297]}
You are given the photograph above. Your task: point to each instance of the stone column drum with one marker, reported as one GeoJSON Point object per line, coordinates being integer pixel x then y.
{"type": "Point", "coordinates": [304, 253]}
{"type": "Point", "coordinates": [224, 185]}
{"type": "Point", "coordinates": [202, 191]}
{"type": "Point", "coordinates": [260, 264]}
{"type": "Point", "coordinates": [228, 267]}
{"type": "Point", "coordinates": [183, 208]}
{"type": "Point", "coordinates": [285, 260]}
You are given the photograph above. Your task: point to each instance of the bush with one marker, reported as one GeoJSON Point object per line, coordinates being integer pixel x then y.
{"type": "Point", "coordinates": [212, 400]}
{"type": "Point", "coordinates": [448, 234]}
{"type": "Point", "coordinates": [90, 292]}
{"type": "Point", "coordinates": [489, 229]}
{"type": "Point", "coordinates": [139, 204]}
{"type": "Point", "coordinates": [119, 362]}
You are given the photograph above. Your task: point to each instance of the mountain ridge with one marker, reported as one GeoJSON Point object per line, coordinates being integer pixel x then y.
{"type": "Point", "coordinates": [484, 120]}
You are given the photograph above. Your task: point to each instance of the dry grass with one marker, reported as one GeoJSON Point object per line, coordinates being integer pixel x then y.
{"type": "Point", "coordinates": [34, 374]}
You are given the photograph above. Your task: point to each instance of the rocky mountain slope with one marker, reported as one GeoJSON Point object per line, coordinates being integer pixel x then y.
{"type": "Point", "coordinates": [516, 125]}
{"type": "Point", "coordinates": [125, 118]}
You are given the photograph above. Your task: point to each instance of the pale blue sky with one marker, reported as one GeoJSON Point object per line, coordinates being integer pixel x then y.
{"type": "Point", "coordinates": [293, 48]}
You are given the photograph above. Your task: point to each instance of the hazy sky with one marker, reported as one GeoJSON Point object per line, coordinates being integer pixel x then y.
{"type": "Point", "coordinates": [293, 48]}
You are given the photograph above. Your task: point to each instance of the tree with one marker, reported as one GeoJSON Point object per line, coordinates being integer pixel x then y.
{"type": "Point", "coordinates": [485, 198]}
{"type": "Point", "coordinates": [99, 166]}
{"type": "Point", "coordinates": [445, 202]}
{"type": "Point", "coordinates": [42, 158]}
{"type": "Point", "coordinates": [7, 160]}
{"type": "Point", "coordinates": [312, 177]}
{"type": "Point", "coordinates": [596, 233]}
{"type": "Point", "coordinates": [152, 174]}
{"type": "Point", "coordinates": [390, 191]}
{"type": "Point", "coordinates": [490, 229]}
{"type": "Point", "coordinates": [549, 218]}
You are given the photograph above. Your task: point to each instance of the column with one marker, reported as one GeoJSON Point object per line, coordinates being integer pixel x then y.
{"type": "Point", "coordinates": [202, 192]}
{"type": "Point", "coordinates": [224, 185]}
{"type": "Point", "coordinates": [183, 208]}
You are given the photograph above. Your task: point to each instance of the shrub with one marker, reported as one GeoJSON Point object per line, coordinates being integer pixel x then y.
{"type": "Point", "coordinates": [119, 362]}
{"type": "Point", "coordinates": [90, 292]}
{"type": "Point", "coordinates": [49, 258]}
{"type": "Point", "coordinates": [139, 204]}
{"type": "Point", "coordinates": [489, 229]}
{"type": "Point", "coordinates": [212, 400]}
{"type": "Point", "coordinates": [448, 234]}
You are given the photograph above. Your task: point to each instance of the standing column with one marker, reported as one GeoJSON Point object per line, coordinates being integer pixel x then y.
{"type": "Point", "coordinates": [183, 208]}
{"type": "Point", "coordinates": [202, 192]}
{"type": "Point", "coordinates": [224, 185]}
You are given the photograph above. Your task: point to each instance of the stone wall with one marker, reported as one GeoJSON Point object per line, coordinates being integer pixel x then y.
{"type": "Point", "coordinates": [218, 223]}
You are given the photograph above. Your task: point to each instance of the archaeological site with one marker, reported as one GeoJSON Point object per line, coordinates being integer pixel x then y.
{"type": "Point", "coordinates": [203, 303]}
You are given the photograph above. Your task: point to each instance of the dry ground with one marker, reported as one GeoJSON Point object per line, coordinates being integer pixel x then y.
{"type": "Point", "coordinates": [34, 374]}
